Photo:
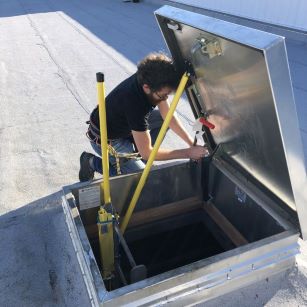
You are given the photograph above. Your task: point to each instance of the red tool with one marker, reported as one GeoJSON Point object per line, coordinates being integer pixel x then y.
{"type": "Point", "coordinates": [206, 123]}
{"type": "Point", "coordinates": [200, 122]}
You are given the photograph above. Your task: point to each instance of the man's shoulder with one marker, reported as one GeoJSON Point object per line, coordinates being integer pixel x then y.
{"type": "Point", "coordinates": [127, 86]}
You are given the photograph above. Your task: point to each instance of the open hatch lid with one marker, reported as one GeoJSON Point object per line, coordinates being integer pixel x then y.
{"type": "Point", "coordinates": [242, 85]}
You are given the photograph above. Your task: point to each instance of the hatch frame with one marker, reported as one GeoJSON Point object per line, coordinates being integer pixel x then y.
{"type": "Point", "coordinates": [195, 282]}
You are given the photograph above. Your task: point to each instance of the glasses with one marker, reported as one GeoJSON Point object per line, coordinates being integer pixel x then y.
{"type": "Point", "coordinates": [162, 97]}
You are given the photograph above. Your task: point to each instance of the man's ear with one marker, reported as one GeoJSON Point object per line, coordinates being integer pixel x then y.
{"type": "Point", "coordinates": [146, 88]}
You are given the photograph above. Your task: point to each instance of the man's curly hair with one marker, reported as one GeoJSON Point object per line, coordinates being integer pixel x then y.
{"type": "Point", "coordinates": [157, 70]}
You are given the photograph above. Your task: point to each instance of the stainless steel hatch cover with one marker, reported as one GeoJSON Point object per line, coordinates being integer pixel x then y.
{"type": "Point", "coordinates": [243, 86]}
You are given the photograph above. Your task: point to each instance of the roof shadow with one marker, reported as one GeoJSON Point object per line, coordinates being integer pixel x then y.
{"type": "Point", "coordinates": [128, 27]}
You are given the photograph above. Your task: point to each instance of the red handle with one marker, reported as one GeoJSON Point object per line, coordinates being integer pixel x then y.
{"type": "Point", "coordinates": [206, 123]}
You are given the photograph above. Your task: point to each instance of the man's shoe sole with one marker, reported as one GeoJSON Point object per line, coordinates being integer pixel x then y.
{"type": "Point", "coordinates": [85, 172]}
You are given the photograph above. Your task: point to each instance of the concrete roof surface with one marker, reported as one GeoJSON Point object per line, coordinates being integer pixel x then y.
{"type": "Point", "coordinates": [50, 51]}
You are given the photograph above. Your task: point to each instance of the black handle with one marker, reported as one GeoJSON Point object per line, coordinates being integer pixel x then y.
{"type": "Point", "coordinates": [100, 77]}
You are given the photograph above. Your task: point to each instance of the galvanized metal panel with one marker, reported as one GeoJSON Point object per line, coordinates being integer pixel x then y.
{"type": "Point", "coordinates": [247, 92]}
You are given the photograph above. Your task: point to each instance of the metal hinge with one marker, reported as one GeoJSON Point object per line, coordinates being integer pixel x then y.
{"type": "Point", "coordinates": [211, 48]}
{"type": "Point", "coordinates": [174, 25]}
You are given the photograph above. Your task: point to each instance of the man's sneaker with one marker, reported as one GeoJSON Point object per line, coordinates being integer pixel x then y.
{"type": "Point", "coordinates": [86, 172]}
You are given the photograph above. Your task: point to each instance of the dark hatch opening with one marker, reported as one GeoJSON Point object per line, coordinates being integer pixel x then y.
{"type": "Point", "coordinates": [164, 245]}
{"type": "Point", "coordinates": [167, 250]}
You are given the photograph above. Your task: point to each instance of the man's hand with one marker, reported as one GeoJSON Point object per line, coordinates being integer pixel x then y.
{"type": "Point", "coordinates": [143, 142]}
{"type": "Point", "coordinates": [197, 152]}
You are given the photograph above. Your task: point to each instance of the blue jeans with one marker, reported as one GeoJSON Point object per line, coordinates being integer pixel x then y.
{"type": "Point", "coordinates": [125, 145]}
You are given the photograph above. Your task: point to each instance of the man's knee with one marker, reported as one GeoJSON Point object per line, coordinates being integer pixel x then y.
{"type": "Point", "coordinates": [132, 166]}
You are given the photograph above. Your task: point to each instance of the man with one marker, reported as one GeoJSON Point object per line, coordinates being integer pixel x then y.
{"type": "Point", "coordinates": [129, 109]}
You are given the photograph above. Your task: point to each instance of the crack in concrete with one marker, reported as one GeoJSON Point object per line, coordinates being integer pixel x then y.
{"type": "Point", "coordinates": [61, 72]}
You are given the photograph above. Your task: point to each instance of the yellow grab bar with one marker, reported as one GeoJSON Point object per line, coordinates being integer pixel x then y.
{"type": "Point", "coordinates": [103, 137]}
{"type": "Point", "coordinates": [105, 216]}
{"type": "Point", "coordinates": [154, 151]}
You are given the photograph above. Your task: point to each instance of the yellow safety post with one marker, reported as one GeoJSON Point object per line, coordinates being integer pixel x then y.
{"type": "Point", "coordinates": [103, 137]}
{"type": "Point", "coordinates": [105, 214]}
{"type": "Point", "coordinates": [155, 149]}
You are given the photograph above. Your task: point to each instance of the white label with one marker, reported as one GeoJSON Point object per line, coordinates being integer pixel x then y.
{"type": "Point", "coordinates": [89, 197]}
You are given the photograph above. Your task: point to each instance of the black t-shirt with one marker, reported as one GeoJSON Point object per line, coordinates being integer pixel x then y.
{"type": "Point", "coordinates": [127, 109]}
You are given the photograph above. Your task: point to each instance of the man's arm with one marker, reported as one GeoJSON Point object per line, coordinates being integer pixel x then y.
{"type": "Point", "coordinates": [143, 142]}
{"type": "Point", "coordinates": [175, 123]}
